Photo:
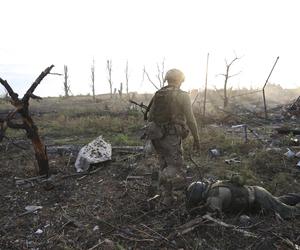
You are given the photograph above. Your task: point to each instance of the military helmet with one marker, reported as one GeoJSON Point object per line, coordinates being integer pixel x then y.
{"type": "Point", "coordinates": [174, 76]}
{"type": "Point", "coordinates": [195, 194]}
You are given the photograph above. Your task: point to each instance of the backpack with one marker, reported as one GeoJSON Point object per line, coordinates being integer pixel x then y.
{"type": "Point", "coordinates": [165, 108]}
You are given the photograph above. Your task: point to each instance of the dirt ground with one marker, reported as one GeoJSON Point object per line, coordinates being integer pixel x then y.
{"type": "Point", "coordinates": [108, 207]}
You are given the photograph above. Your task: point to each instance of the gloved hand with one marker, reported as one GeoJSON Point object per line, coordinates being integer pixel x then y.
{"type": "Point", "coordinates": [196, 145]}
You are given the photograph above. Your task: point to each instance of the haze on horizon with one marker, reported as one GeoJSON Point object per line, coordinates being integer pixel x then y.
{"type": "Point", "coordinates": [36, 34]}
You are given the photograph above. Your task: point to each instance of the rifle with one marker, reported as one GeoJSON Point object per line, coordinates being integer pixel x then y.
{"type": "Point", "coordinates": [144, 108]}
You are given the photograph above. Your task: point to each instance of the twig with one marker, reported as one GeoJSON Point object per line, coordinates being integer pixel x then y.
{"type": "Point", "coordinates": [134, 239]}
{"type": "Point", "coordinates": [235, 228]}
{"type": "Point", "coordinates": [71, 220]}
{"type": "Point", "coordinates": [153, 231]}
{"type": "Point", "coordinates": [97, 245]}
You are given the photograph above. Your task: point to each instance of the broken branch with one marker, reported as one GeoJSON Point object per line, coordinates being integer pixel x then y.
{"type": "Point", "coordinates": [36, 83]}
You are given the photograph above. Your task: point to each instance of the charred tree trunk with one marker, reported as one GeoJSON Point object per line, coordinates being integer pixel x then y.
{"type": "Point", "coordinates": [226, 78]}
{"type": "Point", "coordinates": [21, 107]}
{"type": "Point", "coordinates": [121, 90]}
{"type": "Point", "coordinates": [66, 81]}
{"type": "Point", "coordinates": [225, 87]}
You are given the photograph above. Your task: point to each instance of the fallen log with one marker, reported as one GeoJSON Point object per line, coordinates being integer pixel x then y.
{"type": "Point", "coordinates": [74, 149]}
{"type": "Point", "coordinates": [286, 131]}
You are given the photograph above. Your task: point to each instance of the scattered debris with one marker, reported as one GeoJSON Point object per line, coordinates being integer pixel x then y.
{"type": "Point", "coordinates": [214, 152]}
{"type": "Point", "coordinates": [292, 109]}
{"type": "Point", "coordinates": [244, 127]}
{"type": "Point", "coordinates": [289, 154]}
{"type": "Point", "coordinates": [232, 160]}
{"type": "Point", "coordinates": [234, 228]}
{"type": "Point", "coordinates": [273, 149]}
{"type": "Point", "coordinates": [33, 208]}
{"type": "Point", "coordinates": [95, 152]}
{"type": "Point", "coordinates": [39, 231]}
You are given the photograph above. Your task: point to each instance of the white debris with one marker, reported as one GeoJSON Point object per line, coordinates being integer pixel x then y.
{"type": "Point", "coordinates": [214, 152]}
{"type": "Point", "coordinates": [39, 231]}
{"type": "Point", "coordinates": [96, 228]}
{"type": "Point", "coordinates": [96, 151]}
{"type": "Point", "coordinates": [289, 154]}
{"type": "Point", "coordinates": [273, 149]}
{"type": "Point", "coordinates": [298, 164]}
{"type": "Point", "coordinates": [33, 208]}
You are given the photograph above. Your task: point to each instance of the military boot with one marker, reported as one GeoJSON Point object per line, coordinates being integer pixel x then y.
{"type": "Point", "coordinates": [167, 194]}
{"type": "Point", "coordinates": [154, 186]}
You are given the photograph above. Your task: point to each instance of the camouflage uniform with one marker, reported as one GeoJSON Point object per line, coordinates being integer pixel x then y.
{"type": "Point", "coordinates": [224, 196]}
{"type": "Point", "coordinates": [169, 116]}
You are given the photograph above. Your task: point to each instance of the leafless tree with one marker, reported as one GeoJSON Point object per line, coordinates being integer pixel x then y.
{"type": "Point", "coordinates": [120, 90]}
{"type": "Point", "coordinates": [22, 108]}
{"type": "Point", "coordinates": [66, 81]}
{"type": "Point", "coordinates": [93, 79]}
{"type": "Point", "coordinates": [109, 69]}
{"type": "Point", "coordinates": [126, 78]}
{"type": "Point", "coordinates": [159, 75]}
{"type": "Point", "coordinates": [227, 76]}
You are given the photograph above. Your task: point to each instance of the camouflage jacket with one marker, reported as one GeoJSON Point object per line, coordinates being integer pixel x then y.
{"type": "Point", "coordinates": [171, 105]}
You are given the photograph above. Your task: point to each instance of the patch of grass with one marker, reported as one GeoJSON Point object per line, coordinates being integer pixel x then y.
{"type": "Point", "coordinates": [123, 139]}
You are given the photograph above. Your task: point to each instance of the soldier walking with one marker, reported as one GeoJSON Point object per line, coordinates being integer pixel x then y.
{"type": "Point", "coordinates": [170, 119]}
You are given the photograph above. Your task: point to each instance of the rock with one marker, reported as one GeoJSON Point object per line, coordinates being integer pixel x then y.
{"type": "Point", "coordinates": [245, 220]}
{"type": "Point", "coordinates": [96, 151]}
{"type": "Point", "coordinates": [109, 244]}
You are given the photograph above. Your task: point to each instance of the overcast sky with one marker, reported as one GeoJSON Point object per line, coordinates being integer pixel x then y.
{"type": "Point", "coordinates": [38, 33]}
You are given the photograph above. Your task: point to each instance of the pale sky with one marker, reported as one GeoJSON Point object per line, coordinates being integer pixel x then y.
{"type": "Point", "coordinates": [38, 33]}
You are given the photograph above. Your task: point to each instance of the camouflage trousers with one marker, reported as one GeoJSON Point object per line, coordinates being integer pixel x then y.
{"type": "Point", "coordinates": [268, 202]}
{"type": "Point", "coordinates": [171, 179]}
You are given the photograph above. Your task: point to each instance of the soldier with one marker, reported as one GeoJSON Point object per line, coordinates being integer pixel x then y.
{"type": "Point", "coordinates": [170, 119]}
{"type": "Point", "coordinates": [230, 197]}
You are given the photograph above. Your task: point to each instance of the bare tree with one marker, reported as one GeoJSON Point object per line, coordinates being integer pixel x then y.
{"type": "Point", "coordinates": [227, 76]}
{"type": "Point", "coordinates": [126, 78]}
{"type": "Point", "coordinates": [22, 108]}
{"type": "Point", "coordinates": [66, 81]}
{"type": "Point", "coordinates": [160, 75]}
{"type": "Point", "coordinates": [120, 90]}
{"type": "Point", "coordinates": [109, 69]}
{"type": "Point", "coordinates": [93, 79]}
{"type": "Point", "coordinates": [149, 78]}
